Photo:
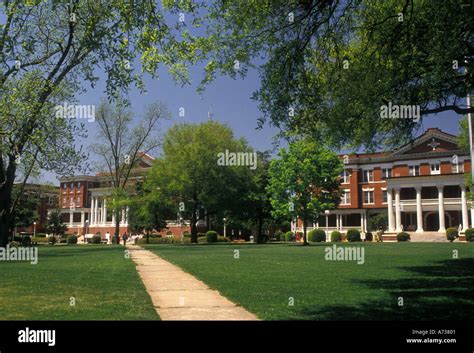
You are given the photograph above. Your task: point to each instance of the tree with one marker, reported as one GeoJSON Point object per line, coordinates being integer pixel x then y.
{"type": "Point", "coordinates": [189, 176]}
{"type": "Point", "coordinates": [330, 66]}
{"type": "Point", "coordinates": [47, 51]}
{"type": "Point", "coordinates": [148, 211]}
{"type": "Point", "coordinates": [304, 182]}
{"type": "Point", "coordinates": [55, 223]}
{"type": "Point", "coordinates": [120, 153]}
{"type": "Point", "coordinates": [26, 211]}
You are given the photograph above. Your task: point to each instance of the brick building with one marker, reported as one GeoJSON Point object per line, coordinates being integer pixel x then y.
{"type": "Point", "coordinates": [420, 186]}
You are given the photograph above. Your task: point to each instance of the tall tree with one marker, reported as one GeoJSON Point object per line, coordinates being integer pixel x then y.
{"type": "Point", "coordinates": [55, 224]}
{"type": "Point", "coordinates": [189, 175]}
{"type": "Point", "coordinates": [304, 182]}
{"type": "Point", "coordinates": [48, 49]}
{"type": "Point", "coordinates": [124, 145]}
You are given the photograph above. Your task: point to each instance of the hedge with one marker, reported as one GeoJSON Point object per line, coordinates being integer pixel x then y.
{"type": "Point", "coordinates": [403, 236]}
{"type": "Point", "coordinates": [211, 236]}
{"type": "Point", "coordinates": [336, 236]}
{"type": "Point", "coordinates": [353, 235]}
{"type": "Point", "coordinates": [317, 235]}
{"type": "Point", "coordinates": [289, 236]}
{"type": "Point", "coordinates": [72, 239]}
{"type": "Point", "coordinates": [452, 234]}
{"type": "Point", "coordinates": [469, 234]}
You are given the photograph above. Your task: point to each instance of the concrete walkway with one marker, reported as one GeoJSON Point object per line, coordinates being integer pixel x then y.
{"type": "Point", "coordinates": [177, 295]}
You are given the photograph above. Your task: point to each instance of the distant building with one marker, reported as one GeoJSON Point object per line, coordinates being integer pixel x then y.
{"type": "Point", "coordinates": [83, 202]}
{"type": "Point", "coordinates": [420, 186]}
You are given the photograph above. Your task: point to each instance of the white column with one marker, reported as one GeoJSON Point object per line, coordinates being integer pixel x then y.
{"type": "Point", "coordinates": [465, 218]}
{"type": "Point", "coordinates": [71, 214]}
{"type": "Point", "coordinates": [126, 216]}
{"type": "Point", "coordinates": [96, 210]}
{"type": "Point", "coordinates": [419, 211]}
{"type": "Point", "coordinates": [83, 219]}
{"type": "Point", "coordinates": [391, 226]}
{"type": "Point", "coordinates": [398, 213]}
{"type": "Point", "coordinates": [362, 222]}
{"type": "Point", "coordinates": [104, 216]}
{"type": "Point", "coordinates": [123, 220]}
{"type": "Point", "coordinates": [113, 217]}
{"type": "Point", "coordinates": [365, 223]}
{"type": "Point", "coordinates": [340, 222]}
{"type": "Point", "coordinates": [91, 217]}
{"type": "Point", "coordinates": [472, 216]}
{"type": "Point", "coordinates": [337, 221]}
{"type": "Point", "coordinates": [442, 227]}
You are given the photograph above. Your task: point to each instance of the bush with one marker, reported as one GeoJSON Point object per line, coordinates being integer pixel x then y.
{"type": "Point", "coordinates": [43, 240]}
{"type": "Point", "coordinates": [317, 235]}
{"type": "Point", "coordinates": [96, 239]}
{"type": "Point", "coordinates": [201, 235]}
{"type": "Point", "coordinates": [336, 236]}
{"type": "Point", "coordinates": [202, 240]}
{"type": "Point", "coordinates": [378, 221]}
{"type": "Point", "coordinates": [277, 235]}
{"type": "Point", "coordinates": [72, 239]}
{"type": "Point", "coordinates": [369, 236]}
{"type": "Point", "coordinates": [353, 235]}
{"type": "Point", "coordinates": [211, 236]}
{"type": "Point", "coordinates": [52, 239]}
{"type": "Point", "coordinates": [187, 235]}
{"type": "Point", "coordinates": [154, 240]}
{"type": "Point", "coordinates": [403, 236]}
{"type": "Point", "coordinates": [452, 234]}
{"type": "Point", "coordinates": [26, 241]}
{"type": "Point", "coordinates": [282, 236]}
{"type": "Point", "coordinates": [40, 235]}
{"type": "Point", "coordinates": [289, 236]}
{"type": "Point", "coordinates": [469, 234]}
{"type": "Point", "coordinates": [221, 239]}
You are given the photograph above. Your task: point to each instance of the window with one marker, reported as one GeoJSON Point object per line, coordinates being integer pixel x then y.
{"type": "Point", "coordinates": [368, 197]}
{"type": "Point", "coordinates": [346, 177]}
{"type": "Point", "coordinates": [78, 185]}
{"type": "Point", "coordinates": [346, 197]}
{"type": "Point", "coordinates": [414, 170]}
{"type": "Point", "coordinates": [384, 196]}
{"type": "Point", "coordinates": [367, 176]}
{"type": "Point", "coordinates": [386, 173]}
{"type": "Point", "coordinates": [435, 169]}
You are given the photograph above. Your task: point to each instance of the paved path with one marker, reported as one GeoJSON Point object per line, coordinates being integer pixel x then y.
{"type": "Point", "coordinates": [177, 295]}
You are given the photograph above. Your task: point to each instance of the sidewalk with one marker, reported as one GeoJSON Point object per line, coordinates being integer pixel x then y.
{"type": "Point", "coordinates": [178, 295]}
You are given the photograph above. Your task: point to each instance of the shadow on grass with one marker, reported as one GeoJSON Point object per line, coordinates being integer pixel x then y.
{"type": "Point", "coordinates": [443, 291]}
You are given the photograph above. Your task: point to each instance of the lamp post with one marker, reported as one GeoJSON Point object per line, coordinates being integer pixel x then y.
{"type": "Point", "coordinates": [327, 222]}
{"type": "Point", "coordinates": [34, 229]}
{"type": "Point", "coordinates": [225, 220]}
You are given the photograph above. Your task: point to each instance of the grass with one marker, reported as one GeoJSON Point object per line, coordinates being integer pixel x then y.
{"type": "Point", "coordinates": [103, 282]}
{"type": "Point", "coordinates": [432, 284]}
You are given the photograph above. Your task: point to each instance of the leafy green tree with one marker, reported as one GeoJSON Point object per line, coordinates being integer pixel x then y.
{"type": "Point", "coordinates": [304, 182]}
{"type": "Point", "coordinates": [329, 66]}
{"type": "Point", "coordinates": [27, 210]}
{"type": "Point", "coordinates": [55, 223]}
{"type": "Point", "coordinates": [49, 50]}
{"type": "Point", "coordinates": [189, 176]}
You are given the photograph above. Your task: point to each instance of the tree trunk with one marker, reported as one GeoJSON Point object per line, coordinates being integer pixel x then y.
{"type": "Point", "coordinates": [305, 240]}
{"type": "Point", "coordinates": [194, 237]}
{"type": "Point", "coordinates": [6, 217]}
{"type": "Point", "coordinates": [259, 230]}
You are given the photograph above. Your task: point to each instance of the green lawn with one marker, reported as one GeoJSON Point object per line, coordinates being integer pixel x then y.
{"type": "Point", "coordinates": [432, 284]}
{"type": "Point", "coordinates": [104, 284]}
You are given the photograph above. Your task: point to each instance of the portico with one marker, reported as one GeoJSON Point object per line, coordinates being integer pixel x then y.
{"type": "Point", "coordinates": [413, 201]}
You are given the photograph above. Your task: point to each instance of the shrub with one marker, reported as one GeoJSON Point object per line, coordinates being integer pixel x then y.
{"type": "Point", "coordinates": [202, 240]}
{"type": "Point", "coordinates": [96, 239]}
{"type": "Point", "coordinates": [289, 236]}
{"type": "Point", "coordinates": [317, 235]}
{"type": "Point", "coordinates": [26, 241]}
{"type": "Point", "coordinates": [378, 221]}
{"type": "Point", "coordinates": [39, 240]}
{"type": "Point", "coordinates": [369, 236]}
{"type": "Point", "coordinates": [452, 234]}
{"type": "Point", "coordinates": [40, 235]}
{"type": "Point", "coordinates": [277, 235]}
{"type": "Point", "coordinates": [52, 239]}
{"type": "Point", "coordinates": [336, 236]}
{"type": "Point", "coordinates": [282, 236]}
{"type": "Point", "coordinates": [221, 239]}
{"type": "Point", "coordinates": [201, 235]}
{"type": "Point", "coordinates": [469, 234]}
{"type": "Point", "coordinates": [187, 235]}
{"type": "Point", "coordinates": [72, 239]}
{"type": "Point", "coordinates": [211, 236]}
{"type": "Point", "coordinates": [154, 240]}
{"type": "Point", "coordinates": [353, 235]}
{"type": "Point", "coordinates": [403, 236]}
